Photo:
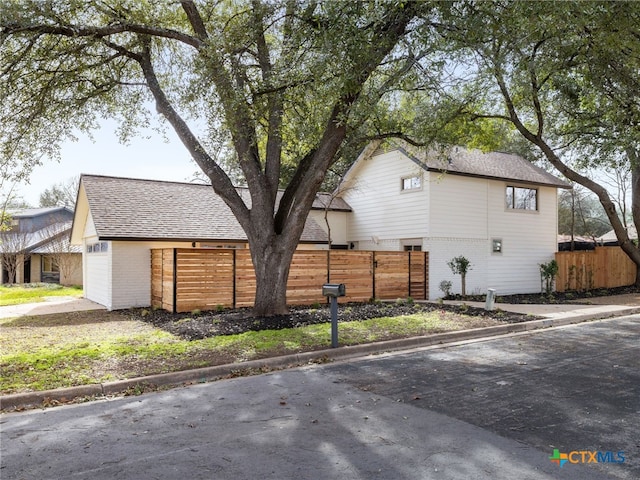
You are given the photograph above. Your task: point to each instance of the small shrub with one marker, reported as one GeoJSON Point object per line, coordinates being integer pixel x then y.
{"type": "Point", "coordinates": [445, 287]}
{"type": "Point", "coordinates": [196, 312]}
{"type": "Point", "coordinates": [548, 272]}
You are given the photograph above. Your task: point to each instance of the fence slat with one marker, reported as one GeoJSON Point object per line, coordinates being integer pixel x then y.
{"type": "Point", "coordinates": [604, 267]}
{"type": "Point", "coordinates": [205, 277]}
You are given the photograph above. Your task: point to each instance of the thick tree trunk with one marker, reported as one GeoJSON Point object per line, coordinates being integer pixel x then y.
{"type": "Point", "coordinates": [271, 263]}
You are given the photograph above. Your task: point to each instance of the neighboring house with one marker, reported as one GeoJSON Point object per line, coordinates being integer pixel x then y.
{"type": "Point", "coordinates": [567, 243]}
{"type": "Point", "coordinates": [496, 209]}
{"type": "Point", "coordinates": [610, 238]}
{"type": "Point", "coordinates": [36, 248]}
{"type": "Point", "coordinates": [119, 220]}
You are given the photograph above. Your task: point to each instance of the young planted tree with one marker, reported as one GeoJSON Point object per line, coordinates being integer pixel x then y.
{"type": "Point", "coordinates": [460, 266]}
{"type": "Point", "coordinates": [284, 84]}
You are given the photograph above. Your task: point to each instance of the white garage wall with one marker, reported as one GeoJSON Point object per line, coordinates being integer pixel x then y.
{"type": "Point", "coordinates": [132, 272]}
{"type": "Point", "coordinates": [97, 274]}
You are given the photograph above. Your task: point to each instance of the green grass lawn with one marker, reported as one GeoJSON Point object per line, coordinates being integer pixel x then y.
{"type": "Point", "coordinates": [62, 350]}
{"type": "Point", "coordinates": [35, 292]}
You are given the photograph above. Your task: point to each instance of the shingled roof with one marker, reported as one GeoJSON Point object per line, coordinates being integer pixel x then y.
{"type": "Point", "coordinates": [475, 163]}
{"type": "Point", "coordinates": [136, 209]}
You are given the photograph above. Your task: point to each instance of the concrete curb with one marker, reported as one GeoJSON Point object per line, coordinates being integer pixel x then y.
{"type": "Point", "coordinates": [202, 375]}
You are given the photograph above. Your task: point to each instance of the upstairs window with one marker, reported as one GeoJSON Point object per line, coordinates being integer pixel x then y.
{"type": "Point", "coordinates": [519, 198]}
{"type": "Point", "coordinates": [411, 183]}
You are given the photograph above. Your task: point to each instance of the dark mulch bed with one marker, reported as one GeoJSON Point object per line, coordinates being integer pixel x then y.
{"type": "Point", "coordinates": [193, 326]}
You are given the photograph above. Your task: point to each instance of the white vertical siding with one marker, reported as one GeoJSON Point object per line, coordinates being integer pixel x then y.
{"type": "Point", "coordinates": [453, 215]}
{"type": "Point", "coordinates": [131, 285]}
{"type": "Point", "coordinates": [458, 226]}
{"type": "Point", "coordinates": [337, 222]}
{"type": "Point", "coordinates": [97, 274]}
{"type": "Point", "coordinates": [459, 206]}
{"type": "Point", "coordinates": [96, 267]}
{"type": "Point", "coordinates": [442, 250]}
{"type": "Point", "coordinates": [381, 210]}
{"type": "Point", "coordinates": [529, 238]}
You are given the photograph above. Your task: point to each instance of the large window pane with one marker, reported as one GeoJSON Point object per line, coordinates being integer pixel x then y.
{"type": "Point", "coordinates": [519, 198]}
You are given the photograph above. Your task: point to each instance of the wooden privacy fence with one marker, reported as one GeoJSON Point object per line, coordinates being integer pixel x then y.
{"type": "Point", "coordinates": [183, 279]}
{"type": "Point", "coordinates": [604, 267]}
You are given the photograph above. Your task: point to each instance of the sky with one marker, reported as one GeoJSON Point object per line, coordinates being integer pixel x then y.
{"type": "Point", "coordinates": [151, 158]}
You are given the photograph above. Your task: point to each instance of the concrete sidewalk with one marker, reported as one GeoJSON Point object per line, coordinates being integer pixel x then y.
{"type": "Point", "coordinates": [602, 307]}
{"type": "Point", "coordinates": [50, 305]}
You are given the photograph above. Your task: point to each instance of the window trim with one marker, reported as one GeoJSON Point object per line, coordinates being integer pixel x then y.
{"type": "Point", "coordinates": [55, 268]}
{"type": "Point", "coordinates": [512, 207]}
{"type": "Point", "coordinates": [411, 188]}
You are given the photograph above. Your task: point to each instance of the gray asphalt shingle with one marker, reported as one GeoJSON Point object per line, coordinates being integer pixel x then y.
{"type": "Point", "coordinates": [126, 208]}
{"type": "Point", "coordinates": [498, 165]}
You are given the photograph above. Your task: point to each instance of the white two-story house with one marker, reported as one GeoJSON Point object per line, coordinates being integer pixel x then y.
{"type": "Point", "coordinates": [498, 210]}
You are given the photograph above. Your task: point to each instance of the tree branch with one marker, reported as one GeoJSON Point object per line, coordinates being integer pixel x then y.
{"type": "Point", "coordinates": [219, 179]}
{"type": "Point", "coordinates": [194, 17]}
{"type": "Point", "coordinates": [99, 32]}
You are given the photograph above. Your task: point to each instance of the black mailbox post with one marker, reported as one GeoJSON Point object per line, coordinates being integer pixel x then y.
{"type": "Point", "coordinates": [333, 291]}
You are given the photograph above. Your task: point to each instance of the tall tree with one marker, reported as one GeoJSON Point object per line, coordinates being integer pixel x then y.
{"type": "Point", "coordinates": [580, 213]}
{"type": "Point", "coordinates": [285, 83]}
{"type": "Point", "coordinates": [61, 194]}
{"type": "Point", "coordinates": [564, 75]}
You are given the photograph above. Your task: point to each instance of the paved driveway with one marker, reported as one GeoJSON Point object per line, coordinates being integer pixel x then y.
{"type": "Point", "coordinates": [487, 410]}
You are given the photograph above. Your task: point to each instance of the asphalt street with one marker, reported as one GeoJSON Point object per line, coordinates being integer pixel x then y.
{"type": "Point", "coordinates": [494, 409]}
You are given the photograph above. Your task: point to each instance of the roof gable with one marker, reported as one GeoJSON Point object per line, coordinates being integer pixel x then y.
{"type": "Point", "coordinates": [136, 209]}
{"type": "Point", "coordinates": [466, 162]}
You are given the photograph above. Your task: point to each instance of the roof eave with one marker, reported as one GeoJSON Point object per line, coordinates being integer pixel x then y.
{"type": "Point", "coordinates": [504, 179]}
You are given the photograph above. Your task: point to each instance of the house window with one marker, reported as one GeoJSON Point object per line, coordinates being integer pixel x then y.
{"type": "Point", "coordinates": [497, 245]}
{"type": "Point", "coordinates": [98, 247]}
{"type": "Point", "coordinates": [49, 265]}
{"type": "Point", "coordinates": [411, 183]}
{"type": "Point", "coordinates": [413, 248]}
{"type": "Point", "coordinates": [520, 198]}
